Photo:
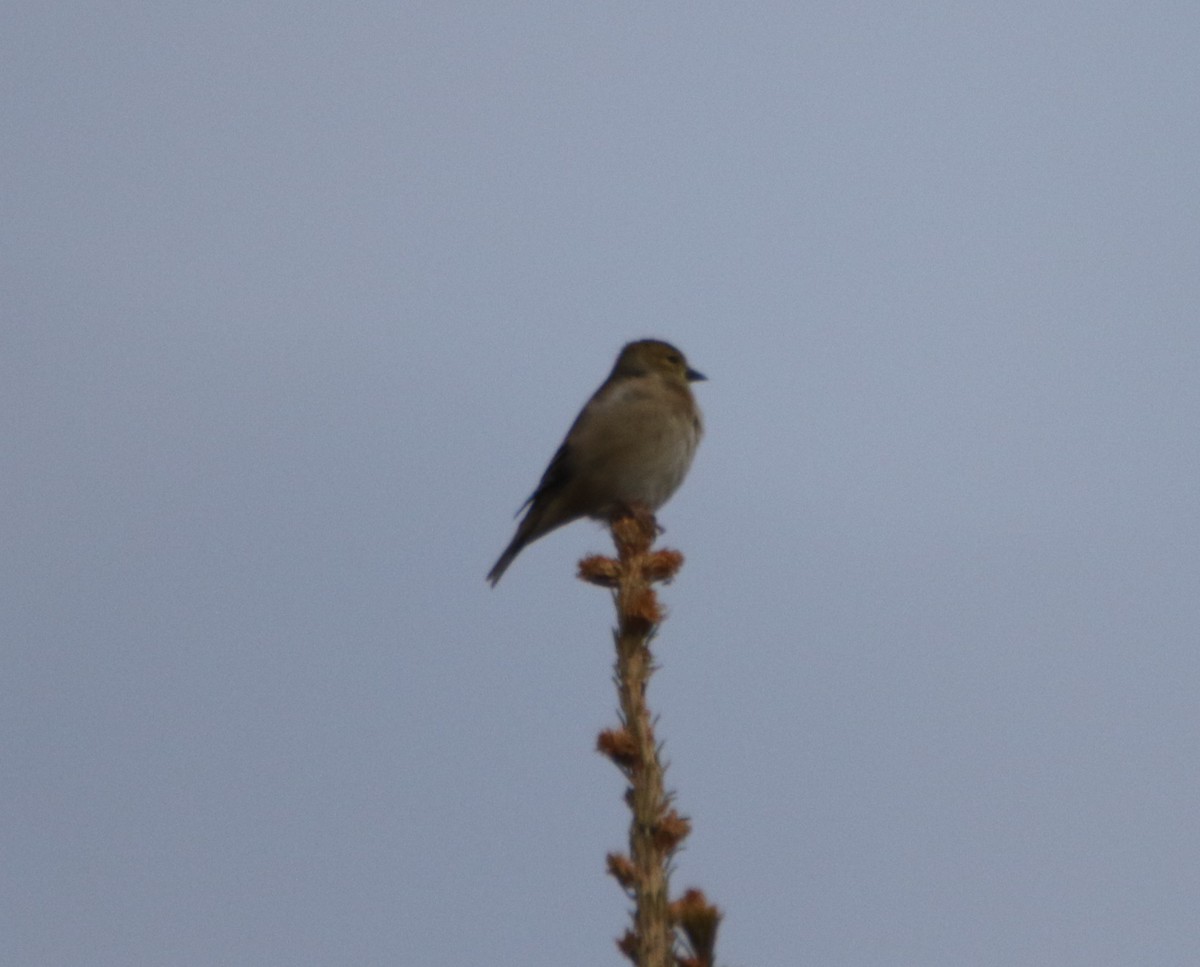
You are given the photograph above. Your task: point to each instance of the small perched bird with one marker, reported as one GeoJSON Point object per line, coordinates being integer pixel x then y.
{"type": "Point", "coordinates": [629, 448]}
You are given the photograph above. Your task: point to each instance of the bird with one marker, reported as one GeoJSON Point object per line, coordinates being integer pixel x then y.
{"type": "Point", "coordinates": [628, 450]}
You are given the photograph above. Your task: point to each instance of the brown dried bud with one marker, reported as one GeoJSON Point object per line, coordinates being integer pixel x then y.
{"type": "Point", "coordinates": [644, 608]}
{"type": "Point", "coordinates": [634, 534]}
{"type": "Point", "coordinates": [662, 565]}
{"type": "Point", "coordinates": [698, 919]}
{"type": "Point", "coordinates": [601, 570]}
{"type": "Point", "coordinates": [672, 830]}
{"type": "Point", "coordinates": [618, 745]}
{"type": "Point", "coordinates": [621, 869]}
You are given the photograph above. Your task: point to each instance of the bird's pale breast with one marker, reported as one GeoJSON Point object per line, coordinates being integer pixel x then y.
{"type": "Point", "coordinates": [639, 444]}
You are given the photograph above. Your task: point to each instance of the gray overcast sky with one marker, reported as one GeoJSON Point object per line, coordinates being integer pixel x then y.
{"type": "Point", "coordinates": [297, 301]}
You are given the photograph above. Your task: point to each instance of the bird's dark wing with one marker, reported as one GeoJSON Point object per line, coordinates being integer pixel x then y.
{"type": "Point", "coordinates": [556, 475]}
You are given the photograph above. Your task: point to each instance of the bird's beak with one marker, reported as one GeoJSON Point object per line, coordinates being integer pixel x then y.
{"type": "Point", "coordinates": [694, 377]}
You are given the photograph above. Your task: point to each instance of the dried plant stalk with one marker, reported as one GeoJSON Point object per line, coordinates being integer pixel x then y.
{"type": "Point", "coordinates": [655, 829]}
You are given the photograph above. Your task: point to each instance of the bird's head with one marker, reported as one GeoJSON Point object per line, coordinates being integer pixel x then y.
{"type": "Point", "coordinates": [647, 356]}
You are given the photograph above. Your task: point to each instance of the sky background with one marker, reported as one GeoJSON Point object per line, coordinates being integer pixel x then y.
{"type": "Point", "coordinates": [298, 300]}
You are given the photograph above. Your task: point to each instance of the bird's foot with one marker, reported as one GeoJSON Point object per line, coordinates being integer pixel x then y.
{"type": "Point", "coordinates": [639, 512]}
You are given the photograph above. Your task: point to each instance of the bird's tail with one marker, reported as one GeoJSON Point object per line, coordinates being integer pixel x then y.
{"type": "Point", "coordinates": [510, 553]}
{"type": "Point", "coordinates": [540, 519]}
